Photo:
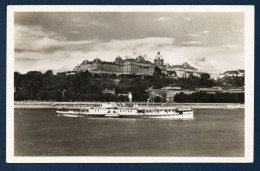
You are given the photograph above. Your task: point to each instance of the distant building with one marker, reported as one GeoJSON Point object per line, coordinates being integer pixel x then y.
{"type": "Point", "coordinates": [106, 91]}
{"type": "Point", "coordinates": [234, 73]}
{"type": "Point", "coordinates": [209, 90]}
{"type": "Point", "coordinates": [67, 73]}
{"type": "Point", "coordinates": [138, 66]}
{"type": "Point", "coordinates": [166, 93]}
{"type": "Point", "coordinates": [158, 61]}
{"type": "Point", "coordinates": [214, 76]}
{"type": "Point", "coordinates": [182, 71]}
{"type": "Point", "coordinates": [234, 90]}
{"type": "Point", "coordinates": [123, 94]}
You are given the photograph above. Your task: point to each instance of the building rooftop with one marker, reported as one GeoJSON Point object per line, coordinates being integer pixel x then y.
{"type": "Point", "coordinates": [183, 66]}
{"type": "Point", "coordinates": [209, 89]}
{"type": "Point", "coordinates": [171, 88]}
{"type": "Point", "coordinates": [231, 72]}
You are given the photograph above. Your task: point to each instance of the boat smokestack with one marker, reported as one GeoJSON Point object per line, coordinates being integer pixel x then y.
{"type": "Point", "coordinates": [130, 98]}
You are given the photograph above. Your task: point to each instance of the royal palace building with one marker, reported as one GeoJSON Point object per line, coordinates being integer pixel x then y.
{"type": "Point", "coordinates": [138, 66]}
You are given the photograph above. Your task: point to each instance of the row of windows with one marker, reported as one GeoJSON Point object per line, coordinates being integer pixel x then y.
{"type": "Point", "coordinates": [140, 111]}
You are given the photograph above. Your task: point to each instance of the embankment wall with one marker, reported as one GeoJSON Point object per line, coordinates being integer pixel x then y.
{"type": "Point", "coordinates": [50, 105]}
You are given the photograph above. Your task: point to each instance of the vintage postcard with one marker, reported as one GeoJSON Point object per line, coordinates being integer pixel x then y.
{"type": "Point", "coordinates": [130, 84]}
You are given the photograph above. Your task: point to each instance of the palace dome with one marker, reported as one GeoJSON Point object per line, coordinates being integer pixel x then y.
{"type": "Point", "coordinates": [140, 58]}
{"type": "Point", "coordinates": [186, 64]}
{"type": "Point", "coordinates": [97, 60]}
{"type": "Point", "coordinates": [118, 58]}
{"type": "Point", "coordinates": [158, 56]}
{"type": "Point", "coordinates": [85, 61]}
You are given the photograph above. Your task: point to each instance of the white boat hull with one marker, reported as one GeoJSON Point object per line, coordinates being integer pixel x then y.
{"type": "Point", "coordinates": [189, 116]}
{"type": "Point", "coordinates": [128, 112]}
{"type": "Point", "coordinates": [160, 116]}
{"type": "Point", "coordinates": [70, 115]}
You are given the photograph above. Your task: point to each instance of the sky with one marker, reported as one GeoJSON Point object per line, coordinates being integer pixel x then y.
{"type": "Point", "coordinates": [58, 41]}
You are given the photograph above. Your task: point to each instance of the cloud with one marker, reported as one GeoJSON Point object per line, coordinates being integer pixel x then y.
{"type": "Point", "coordinates": [37, 39]}
{"type": "Point", "coordinates": [76, 20]}
{"type": "Point", "coordinates": [193, 35]}
{"type": "Point", "coordinates": [62, 40]}
{"type": "Point", "coordinates": [231, 46]}
{"type": "Point", "coordinates": [234, 29]}
{"type": "Point", "coordinates": [39, 49]}
{"type": "Point", "coordinates": [100, 24]}
{"type": "Point", "coordinates": [191, 43]}
{"type": "Point", "coordinates": [67, 54]}
{"type": "Point", "coordinates": [163, 19]}
{"type": "Point", "coordinates": [201, 59]}
{"type": "Point", "coordinates": [149, 42]}
{"type": "Point", "coordinates": [74, 32]}
{"type": "Point", "coordinates": [27, 59]}
{"type": "Point", "coordinates": [198, 34]}
{"type": "Point", "coordinates": [204, 32]}
{"type": "Point", "coordinates": [206, 59]}
{"type": "Point", "coordinates": [189, 19]}
{"type": "Point", "coordinates": [198, 61]}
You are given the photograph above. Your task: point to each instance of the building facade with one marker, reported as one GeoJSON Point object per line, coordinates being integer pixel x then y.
{"type": "Point", "coordinates": [158, 61]}
{"type": "Point", "coordinates": [138, 66]}
{"type": "Point", "coordinates": [234, 73]}
{"type": "Point", "coordinates": [179, 71]}
{"type": "Point", "coordinates": [107, 91]}
{"type": "Point", "coordinates": [166, 93]}
{"type": "Point", "coordinates": [182, 71]}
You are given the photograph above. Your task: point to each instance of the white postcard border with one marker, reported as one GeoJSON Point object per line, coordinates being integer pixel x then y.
{"type": "Point", "coordinates": [249, 84]}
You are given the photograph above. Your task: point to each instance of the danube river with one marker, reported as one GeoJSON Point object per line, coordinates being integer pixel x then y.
{"type": "Point", "coordinates": [213, 133]}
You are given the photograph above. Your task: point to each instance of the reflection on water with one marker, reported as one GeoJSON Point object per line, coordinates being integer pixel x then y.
{"type": "Point", "coordinates": [216, 133]}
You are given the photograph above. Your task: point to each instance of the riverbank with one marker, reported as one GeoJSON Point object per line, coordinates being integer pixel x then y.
{"type": "Point", "coordinates": [51, 105]}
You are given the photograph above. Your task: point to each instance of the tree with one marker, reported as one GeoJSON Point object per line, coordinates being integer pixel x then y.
{"type": "Point", "coordinates": [48, 73]}
{"type": "Point", "coordinates": [157, 72]}
{"type": "Point", "coordinates": [85, 86]}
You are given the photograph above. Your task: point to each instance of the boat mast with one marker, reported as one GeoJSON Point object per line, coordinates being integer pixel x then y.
{"type": "Point", "coordinates": [130, 98]}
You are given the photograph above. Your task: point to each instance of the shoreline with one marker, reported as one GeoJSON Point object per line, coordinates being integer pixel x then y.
{"type": "Point", "coordinates": [53, 105]}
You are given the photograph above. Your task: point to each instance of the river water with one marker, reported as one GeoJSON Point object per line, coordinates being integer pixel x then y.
{"type": "Point", "coordinates": [213, 133]}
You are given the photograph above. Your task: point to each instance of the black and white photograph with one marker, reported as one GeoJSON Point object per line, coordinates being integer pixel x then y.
{"type": "Point", "coordinates": [131, 84]}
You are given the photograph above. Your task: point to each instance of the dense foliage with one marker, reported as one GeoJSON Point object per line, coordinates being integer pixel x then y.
{"type": "Point", "coordinates": [200, 97]}
{"type": "Point", "coordinates": [85, 86]}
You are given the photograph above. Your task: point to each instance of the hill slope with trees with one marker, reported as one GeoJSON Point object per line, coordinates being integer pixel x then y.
{"type": "Point", "coordinates": [85, 86]}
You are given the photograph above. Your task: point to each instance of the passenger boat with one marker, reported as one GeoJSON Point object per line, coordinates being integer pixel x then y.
{"type": "Point", "coordinates": [126, 112]}
{"type": "Point", "coordinates": [113, 110]}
